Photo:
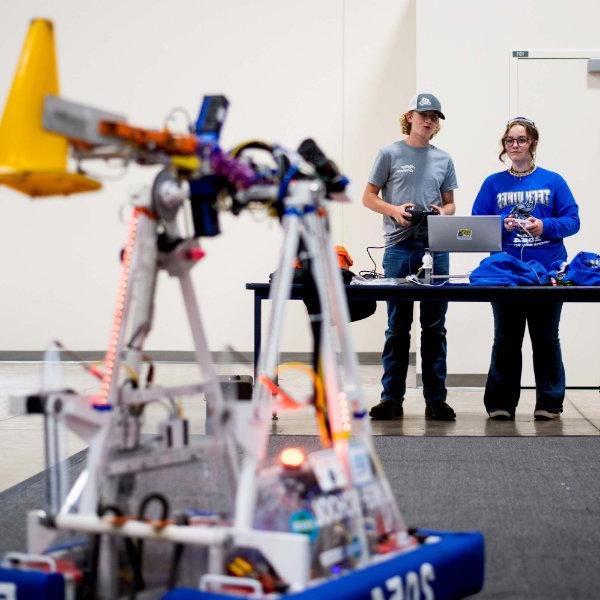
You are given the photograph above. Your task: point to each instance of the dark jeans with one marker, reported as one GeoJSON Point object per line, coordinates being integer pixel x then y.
{"type": "Point", "coordinates": [399, 261]}
{"type": "Point", "coordinates": [504, 378]}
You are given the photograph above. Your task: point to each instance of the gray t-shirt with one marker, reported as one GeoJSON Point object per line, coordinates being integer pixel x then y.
{"type": "Point", "coordinates": [408, 174]}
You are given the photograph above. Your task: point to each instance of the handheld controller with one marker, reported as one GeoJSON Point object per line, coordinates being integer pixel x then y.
{"type": "Point", "coordinates": [520, 216]}
{"type": "Point", "coordinates": [418, 215]}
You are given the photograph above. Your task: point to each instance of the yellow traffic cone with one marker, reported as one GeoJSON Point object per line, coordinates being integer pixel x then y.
{"type": "Point", "coordinates": [34, 161]}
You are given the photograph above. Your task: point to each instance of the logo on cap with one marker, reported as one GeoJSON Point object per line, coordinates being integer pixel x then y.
{"type": "Point", "coordinates": [424, 102]}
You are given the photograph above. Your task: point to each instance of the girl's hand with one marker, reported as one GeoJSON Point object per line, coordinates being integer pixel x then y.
{"type": "Point", "coordinates": [534, 226]}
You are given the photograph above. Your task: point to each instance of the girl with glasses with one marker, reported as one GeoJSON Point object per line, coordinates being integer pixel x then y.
{"type": "Point", "coordinates": [539, 212]}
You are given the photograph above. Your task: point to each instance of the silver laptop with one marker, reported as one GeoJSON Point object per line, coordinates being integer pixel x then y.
{"type": "Point", "coordinates": [465, 234]}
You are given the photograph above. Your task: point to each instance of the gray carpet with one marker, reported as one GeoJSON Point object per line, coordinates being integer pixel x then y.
{"type": "Point", "coordinates": [536, 500]}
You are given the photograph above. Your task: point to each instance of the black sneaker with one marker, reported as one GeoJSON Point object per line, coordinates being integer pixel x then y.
{"type": "Point", "coordinates": [387, 410]}
{"type": "Point", "coordinates": [439, 411]}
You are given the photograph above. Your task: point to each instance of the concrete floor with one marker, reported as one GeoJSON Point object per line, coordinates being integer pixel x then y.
{"type": "Point", "coordinates": [21, 436]}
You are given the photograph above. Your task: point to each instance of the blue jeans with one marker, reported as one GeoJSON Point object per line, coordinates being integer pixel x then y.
{"type": "Point", "coordinates": [401, 260]}
{"type": "Point", "coordinates": [503, 386]}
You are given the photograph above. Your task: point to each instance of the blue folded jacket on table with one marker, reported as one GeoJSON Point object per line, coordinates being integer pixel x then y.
{"type": "Point", "coordinates": [584, 269]}
{"type": "Point", "coordinates": [506, 270]}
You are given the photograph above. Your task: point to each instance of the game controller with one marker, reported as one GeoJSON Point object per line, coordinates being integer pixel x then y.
{"type": "Point", "coordinates": [418, 214]}
{"type": "Point", "coordinates": [520, 222]}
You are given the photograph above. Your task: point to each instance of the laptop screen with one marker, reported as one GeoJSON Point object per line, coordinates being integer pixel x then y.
{"type": "Point", "coordinates": [465, 234]}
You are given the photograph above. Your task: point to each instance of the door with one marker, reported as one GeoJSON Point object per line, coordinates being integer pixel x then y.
{"type": "Point", "coordinates": [564, 101]}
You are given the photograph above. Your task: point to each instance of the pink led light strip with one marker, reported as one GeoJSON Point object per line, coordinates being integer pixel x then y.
{"type": "Point", "coordinates": [115, 334]}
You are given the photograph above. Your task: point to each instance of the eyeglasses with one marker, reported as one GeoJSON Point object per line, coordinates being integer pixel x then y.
{"type": "Point", "coordinates": [430, 115]}
{"type": "Point", "coordinates": [521, 120]}
{"type": "Point", "coordinates": [520, 141]}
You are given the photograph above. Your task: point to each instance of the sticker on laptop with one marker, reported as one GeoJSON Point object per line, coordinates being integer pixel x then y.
{"type": "Point", "coordinates": [464, 233]}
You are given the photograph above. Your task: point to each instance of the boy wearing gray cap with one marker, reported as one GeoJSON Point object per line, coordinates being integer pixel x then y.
{"type": "Point", "coordinates": [412, 173]}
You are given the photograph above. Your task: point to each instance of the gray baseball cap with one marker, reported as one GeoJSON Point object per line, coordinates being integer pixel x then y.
{"type": "Point", "coordinates": [425, 103]}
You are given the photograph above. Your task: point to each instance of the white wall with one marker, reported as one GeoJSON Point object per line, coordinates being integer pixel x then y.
{"type": "Point", "coordinates": [463, 54]}
{"type": "Point", "coordinates": [339, 71]}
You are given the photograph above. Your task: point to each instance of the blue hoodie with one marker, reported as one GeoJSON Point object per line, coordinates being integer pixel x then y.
{"type": "Point", "coordinates": [503, 269]}
{"type": "Point", "coordinates": [584, 269]}
{"type": "Point", "coordinates": [544, 195]}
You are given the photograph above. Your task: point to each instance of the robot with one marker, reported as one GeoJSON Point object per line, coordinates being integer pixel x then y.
{"type": "Point", "coordinates": [303, 524]}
